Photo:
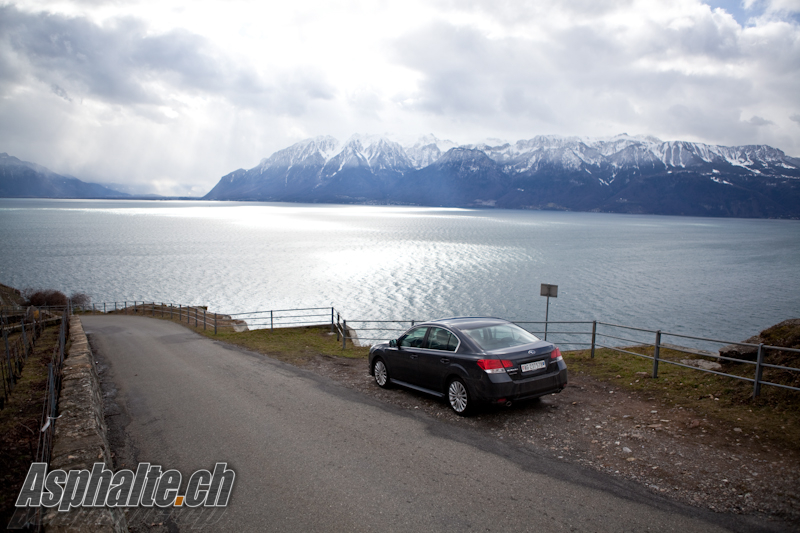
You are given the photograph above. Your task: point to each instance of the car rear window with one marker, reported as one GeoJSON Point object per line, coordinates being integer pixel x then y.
{"type": "Point", "coordinates": [500, 336]}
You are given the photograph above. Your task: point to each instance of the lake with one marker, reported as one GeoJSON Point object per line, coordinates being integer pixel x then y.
{"type": "Point", "coordinates": [708, 277]}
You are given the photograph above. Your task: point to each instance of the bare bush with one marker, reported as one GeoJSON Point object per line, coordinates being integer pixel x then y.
{"type": "Point", "coordinates": [44, 297]}
{"type": "Point", "coordinates": [80, 299]}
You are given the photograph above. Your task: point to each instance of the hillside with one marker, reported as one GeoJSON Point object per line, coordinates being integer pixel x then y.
{"type": "Point", "coordinates": [22, 179]}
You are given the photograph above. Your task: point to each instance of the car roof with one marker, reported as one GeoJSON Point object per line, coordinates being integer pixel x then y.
{"type": "Point", "coordinates": [468, 322]}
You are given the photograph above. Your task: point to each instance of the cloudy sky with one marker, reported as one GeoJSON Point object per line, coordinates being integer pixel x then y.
{"type": "Point", "coordinates": [167, 96]}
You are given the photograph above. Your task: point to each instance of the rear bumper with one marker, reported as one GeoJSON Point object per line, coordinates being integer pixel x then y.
{"type": "Point", "coordinates": [503, 387]}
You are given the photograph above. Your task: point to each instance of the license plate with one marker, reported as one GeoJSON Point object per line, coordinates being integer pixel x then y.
{"type": "Point", "coordinates": [536, 365]}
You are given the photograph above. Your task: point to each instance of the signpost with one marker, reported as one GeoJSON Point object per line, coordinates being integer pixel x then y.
{"type": "Point", "coordinates": [548, 290]}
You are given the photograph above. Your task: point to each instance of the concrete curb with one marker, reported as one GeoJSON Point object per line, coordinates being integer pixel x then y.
{"type": "Point", "coordinates": [81, 436]}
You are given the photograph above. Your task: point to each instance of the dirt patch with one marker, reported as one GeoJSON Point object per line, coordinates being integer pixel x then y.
{"type": "Point", "coordinates": [671, 450]}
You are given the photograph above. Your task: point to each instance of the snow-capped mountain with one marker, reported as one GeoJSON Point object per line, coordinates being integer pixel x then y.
{"type": "Point", "coordinates": [373, 153]}
{"type": "Point", "coordinates": [619, 174]}
{"type": "Point", "coordinates": [427, 150]}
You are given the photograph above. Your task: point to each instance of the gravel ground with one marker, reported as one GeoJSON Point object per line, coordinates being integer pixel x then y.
{"type": "Point", "coordinates": [669, 450]}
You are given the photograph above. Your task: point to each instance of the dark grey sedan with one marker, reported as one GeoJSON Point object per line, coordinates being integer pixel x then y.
{"type": "Point", "coordinates": [470, 360]}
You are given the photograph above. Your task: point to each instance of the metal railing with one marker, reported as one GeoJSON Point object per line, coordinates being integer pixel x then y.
{"type": "Point", "coordinates": [281, 318]}
{"type": "Point", "coordinates": [200, 316]}
{"type": "Point", "coordinates": [50, 407]}
{"type": "Point", "coordinates": [383, 330]}
{"type": "Point", "coordinates": [565, 335]}
{"type": "Point", "coordinates": [657, 344]}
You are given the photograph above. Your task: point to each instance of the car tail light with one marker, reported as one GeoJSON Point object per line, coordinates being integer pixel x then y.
{"type": "Point", "coordinates": [556, 355]}
{"type": "Point", "coordinates": [494, 366]}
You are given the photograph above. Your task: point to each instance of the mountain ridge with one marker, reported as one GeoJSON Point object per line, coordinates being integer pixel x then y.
{"type": "Point", "coordinates": [623, 174]}
{"type": "Point", "coordinates": [23, 179]}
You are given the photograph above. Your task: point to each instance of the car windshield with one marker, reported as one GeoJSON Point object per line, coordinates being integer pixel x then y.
{"type": "Point", "coordinates": [498, 337]}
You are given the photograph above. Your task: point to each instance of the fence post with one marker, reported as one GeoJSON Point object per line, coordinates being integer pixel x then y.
{"type": "Point", "coordinates": [331, 319]}
{"type": "Point", "coordinates": [62, 340]}
{"type": "Point", "coordinates": [204, 319]}
{"type": "Point", "coordinates": [215, 323]}
{"type": "Point", "coordinates": [24, 340]}
{"type": "Point", "coordinates": [759, 370]}
{"type": "Point", "coordinates": [344, 334]}
{"type": "Point", "coordinates": [271, 323]}
{"type": "Point", "coordinates": [6, 384]}
{"type": "Point", "coordinates": [180, 316]}
{"type": "Point", "coordinates": [412, 323]}
{"type": "Point", "coordinates": [656, 354]}
{"type": "Point", "coordinates": [11, 376]}
{"type": "Point", "coordinates": [125, 304]}
{"type": "Point", "coordinates": [594, 335]}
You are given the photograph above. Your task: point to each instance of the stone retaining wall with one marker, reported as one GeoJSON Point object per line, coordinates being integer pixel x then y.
{"type": "Point", "coordinates": [80, 436]}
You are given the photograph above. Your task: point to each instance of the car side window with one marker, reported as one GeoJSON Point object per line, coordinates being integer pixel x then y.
{"type": "Point", "coordinates": [441, 339]}
{"type": "Point", "coordinates": [414, 338]}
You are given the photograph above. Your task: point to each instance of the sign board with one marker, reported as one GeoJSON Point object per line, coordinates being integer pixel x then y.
{"type": "Point", "coordinates": [549, 290]}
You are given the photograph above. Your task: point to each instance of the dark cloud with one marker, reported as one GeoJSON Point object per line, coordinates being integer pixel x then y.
{"type": "Point", "coordinates": [60, 92]}
{"type": "Point", "coordinates": [77, 55]}
{"type": "Point", "coordinates": [760, 121]}
{"type": "Point", "coordinates": [122, 63]}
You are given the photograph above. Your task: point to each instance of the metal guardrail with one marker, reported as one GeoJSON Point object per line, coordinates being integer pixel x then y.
{"type": "Point", "coordinates": [287, 317]}
{"type": "Point", "coordinates": [759, 362]}
{"type": "Point", "coordinates": [200, 316]}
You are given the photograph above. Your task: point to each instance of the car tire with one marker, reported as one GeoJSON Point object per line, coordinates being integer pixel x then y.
{"type": "Point", "coordinates": [381, 373]}
{"type": "Point", "coordinates": [459, 398]}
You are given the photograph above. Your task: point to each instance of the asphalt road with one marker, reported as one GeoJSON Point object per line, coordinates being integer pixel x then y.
{"type": "Point", "coordinates": [311, 455]}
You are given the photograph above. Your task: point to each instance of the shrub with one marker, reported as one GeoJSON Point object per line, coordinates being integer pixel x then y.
{"type": "Point", "coordinates": [44, 297]}
{"type": "Point", "coordinates": [81, 299]}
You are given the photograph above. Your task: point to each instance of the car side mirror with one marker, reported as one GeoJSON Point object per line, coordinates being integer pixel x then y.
{"type": "Point", "coordinates": [392, 343]}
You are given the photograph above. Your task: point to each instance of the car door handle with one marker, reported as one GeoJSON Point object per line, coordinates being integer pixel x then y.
{"type": "Point", "coordinates": [414, 356]}
{"type": "Point", "coordinates": [444, 360]}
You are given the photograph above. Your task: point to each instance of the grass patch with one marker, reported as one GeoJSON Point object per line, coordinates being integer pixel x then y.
{"type": "Point", "coordinates": [292, 345]}
{"type": "Point", "coordinates": [774, 415]}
